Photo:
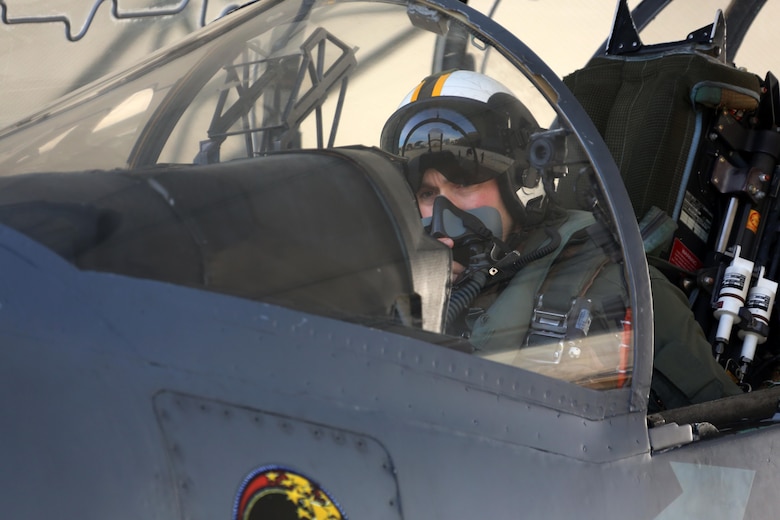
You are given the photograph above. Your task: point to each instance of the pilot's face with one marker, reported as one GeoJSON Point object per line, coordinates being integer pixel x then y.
{"type": "Point", "coordinates": [465, 197]}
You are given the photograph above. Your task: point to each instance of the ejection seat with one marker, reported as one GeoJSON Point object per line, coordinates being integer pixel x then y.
{"type": "Point", "coordinates": [653, 105]}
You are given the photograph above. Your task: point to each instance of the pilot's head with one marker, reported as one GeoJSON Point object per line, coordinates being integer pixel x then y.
{"type": "Point", "coordinates": [465, 132]}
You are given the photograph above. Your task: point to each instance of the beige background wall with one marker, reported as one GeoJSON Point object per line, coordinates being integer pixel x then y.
{"type": "Point", "coordinates": [38, 63]}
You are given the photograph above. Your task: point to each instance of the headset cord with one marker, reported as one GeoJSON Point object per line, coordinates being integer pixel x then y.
{"type": "Point", "coordinates": [514, 261]}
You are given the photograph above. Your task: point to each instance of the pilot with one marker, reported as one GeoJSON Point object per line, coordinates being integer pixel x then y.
{"type": "Point", "coordinates": [465, 138]}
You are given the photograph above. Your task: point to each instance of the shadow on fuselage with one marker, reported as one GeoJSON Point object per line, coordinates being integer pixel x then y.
{"type": "Point", "coordinates": [335, 232]}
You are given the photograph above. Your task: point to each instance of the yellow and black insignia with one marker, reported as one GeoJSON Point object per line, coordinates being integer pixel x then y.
{"type": "Point", "coordinates": [276, 493]}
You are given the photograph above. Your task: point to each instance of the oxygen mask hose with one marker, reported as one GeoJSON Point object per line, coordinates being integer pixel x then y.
{"type": "Point", "coordinates": [465, 294]}
{"type": "Point", "coordinates": [485, 271]}
{"type": "Point", "coordinates": [478, 254]}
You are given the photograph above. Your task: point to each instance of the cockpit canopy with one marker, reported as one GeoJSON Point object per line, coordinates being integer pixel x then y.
{"type": "Point", "coordinates": [244, 160]}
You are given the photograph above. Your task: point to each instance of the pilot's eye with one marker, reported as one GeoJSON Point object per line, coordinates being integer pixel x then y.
{"type": "Point", "coordinates": [426, 195]}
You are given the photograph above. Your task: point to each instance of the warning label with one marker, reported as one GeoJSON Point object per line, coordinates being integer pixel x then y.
{"type": "Point", "coordinates": [683, 257]}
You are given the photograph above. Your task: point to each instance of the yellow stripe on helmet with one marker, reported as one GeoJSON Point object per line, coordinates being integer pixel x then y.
{"type": "Point", "coordinates": [417, 91]}
{"type": "Point", "coordinates": [439, 84]}
{"type": "Point", "coordinates": [428, 90]}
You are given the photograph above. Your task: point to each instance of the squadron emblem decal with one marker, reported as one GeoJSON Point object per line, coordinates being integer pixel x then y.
{"type": "Point", "coordinates": [276, 493]}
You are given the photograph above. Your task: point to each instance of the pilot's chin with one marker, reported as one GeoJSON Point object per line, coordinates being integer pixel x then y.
{"type": "Point", "coordinates": [457, 270]}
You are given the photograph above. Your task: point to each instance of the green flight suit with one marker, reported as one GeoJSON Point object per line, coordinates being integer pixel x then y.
{"type": "Point", "coordinates": [684, 370]}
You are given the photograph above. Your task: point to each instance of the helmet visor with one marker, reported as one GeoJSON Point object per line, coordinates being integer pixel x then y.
{"type": "Point", "coordinates": [450, 142]}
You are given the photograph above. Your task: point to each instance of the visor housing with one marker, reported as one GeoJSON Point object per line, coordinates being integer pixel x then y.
{"type": "Point", "coordinates": [460, 138]}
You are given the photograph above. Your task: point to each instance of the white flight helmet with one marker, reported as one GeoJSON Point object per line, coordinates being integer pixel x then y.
{"type": "Point", "coordinates": [471, 128]}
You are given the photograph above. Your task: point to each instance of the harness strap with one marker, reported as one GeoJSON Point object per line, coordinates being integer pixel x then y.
{"type": "Point", "coordinates": [505, 324]}
{"type": "Point", "coordinates": [562, 311]}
